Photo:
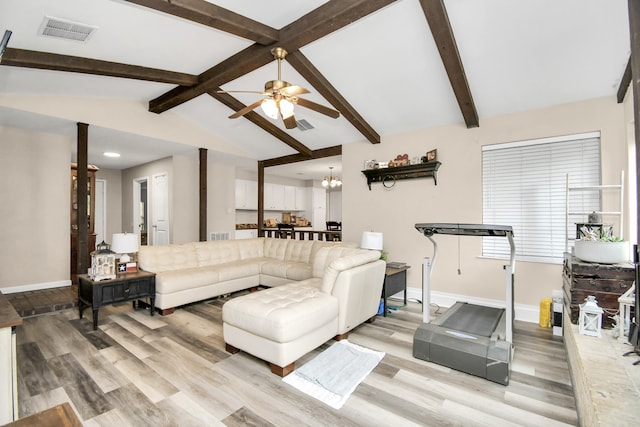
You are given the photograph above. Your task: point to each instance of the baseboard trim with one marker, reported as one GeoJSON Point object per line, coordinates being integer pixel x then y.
{"type": "Point", "coordinates": [524, 312]}
{"type": "Point", "coordinates": [35, 287]}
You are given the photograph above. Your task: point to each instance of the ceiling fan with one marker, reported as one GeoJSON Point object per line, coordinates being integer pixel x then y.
{"type": "Point", "coordinates": [281, 98]}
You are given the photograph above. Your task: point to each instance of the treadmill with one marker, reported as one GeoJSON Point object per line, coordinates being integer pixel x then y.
{"type": "Point", "coordinates": [471, 338]}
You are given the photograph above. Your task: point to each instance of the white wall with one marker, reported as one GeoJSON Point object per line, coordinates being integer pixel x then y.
{"type": "Point", "coordinates": [34, 208]}
{"type": "Point", "coordinates": [458, 195]}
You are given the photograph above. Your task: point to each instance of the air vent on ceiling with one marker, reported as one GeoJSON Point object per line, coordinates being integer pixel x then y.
{"type": "Point", "coordinates": [61, 28]}
{"type": "Point", "coordinates": [304, 125]}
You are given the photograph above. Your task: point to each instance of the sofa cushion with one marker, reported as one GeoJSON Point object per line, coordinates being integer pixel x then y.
{"type": "Point", "coordinates": [286, 269]}
{"type": "Point", "coordinates": [239, 269]}
{"type": "Point", "coordinates": [251, 248]}
{"type": "Point", "coordinates": [217, 252]}
{"type": "Point", "coordinates": [275, 248]}
{"type": "Point", "coordinates": [168, 282]}
{"type": "Point", "coordinates": [330, 261]}
{"type": "Point", "coordinates": [281, 314]}
{"type": "Point", "coordinates": [167, 257]}
{"type": "Point", "coordinates": [299, 251]}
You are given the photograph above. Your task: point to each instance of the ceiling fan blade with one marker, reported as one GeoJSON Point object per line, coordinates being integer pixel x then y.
{"type": "Point", "coordinates": [293, 90]}
{"type": "Point", "coordinates": [290, 122]}
{"type": "Point", "coordinates": [241, 91]}
{"type": "Point", "coordinates": [319, 108]}
{"type": "Point", "coordinates": [246, 109]}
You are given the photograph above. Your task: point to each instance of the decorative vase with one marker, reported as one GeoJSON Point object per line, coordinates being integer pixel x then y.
{"type": "Point", "coordinates": [602, 252]}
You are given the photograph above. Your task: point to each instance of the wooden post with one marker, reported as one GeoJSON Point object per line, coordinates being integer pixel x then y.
{"type": "Point", "coordinates": [260, 199]}
{"type": "Point", "coordinates": [203, 195]}
{"type": "Point", "coordinates": [83, 180]}
{"type": "Point", "coordinates": [634, 29]}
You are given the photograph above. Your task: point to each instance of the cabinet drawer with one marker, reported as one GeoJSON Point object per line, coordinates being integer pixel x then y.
{"type": "Point", "coordinates": [125, 291]}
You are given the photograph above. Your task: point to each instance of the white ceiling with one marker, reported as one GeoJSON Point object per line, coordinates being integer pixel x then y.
{"type": "Point", "coordinates": [518, 55]}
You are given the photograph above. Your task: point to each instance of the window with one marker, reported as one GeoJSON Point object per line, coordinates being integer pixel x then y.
{"type": "Point", "coordinates": [524, 185]}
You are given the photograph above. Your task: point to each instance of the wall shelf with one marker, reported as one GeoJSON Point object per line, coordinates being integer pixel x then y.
{"type": "Point", "coordinates": [390, 175]}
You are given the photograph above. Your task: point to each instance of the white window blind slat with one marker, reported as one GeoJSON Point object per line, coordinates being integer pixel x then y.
{"type": "Point", "coordinates": [523, 185]}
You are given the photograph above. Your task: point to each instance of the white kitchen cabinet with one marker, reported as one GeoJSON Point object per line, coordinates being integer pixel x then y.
{"type": "Point", "coordinates": [273, 197]}
{"type": "Point", "coordinates": [246, 194]}
{"type": "Point", "coordinates": [319, 208]}
{"type": "Point", "coordinates": [302, 195]}
{"type": "Point", "coordinates": [289, 198]}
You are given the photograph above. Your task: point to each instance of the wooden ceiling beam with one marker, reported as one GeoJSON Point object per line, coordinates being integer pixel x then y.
{"type": "Point", "coordinates": [302, 65]}
{"type": "Point", "coordinates": [436, 14]}
{"type": "Point", "coordinates": [321, 153]}
{"type": "Point", "coordinates": [324, 20]}
{"type": "Point", "coordinates": [214, 16]}
{"type": "Point", "coordinates": [263, 123]}
{"type": "Point", "coordinates": [51, 61]}
{"type": "Point", "coordinates": [625, 82]}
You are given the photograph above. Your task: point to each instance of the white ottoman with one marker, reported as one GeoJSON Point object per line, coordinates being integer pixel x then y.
{"type": "Point", "coordinates": [280, 324]}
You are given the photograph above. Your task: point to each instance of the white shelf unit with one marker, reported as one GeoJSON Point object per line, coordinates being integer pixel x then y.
{"type": "Point", "coordinates": [599, 188]}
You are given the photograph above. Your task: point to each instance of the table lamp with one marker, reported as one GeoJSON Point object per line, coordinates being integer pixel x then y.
{"type": "Point", "coordinates": [371, 240]}
{"type": "Point", "coordinates": [124, 244]}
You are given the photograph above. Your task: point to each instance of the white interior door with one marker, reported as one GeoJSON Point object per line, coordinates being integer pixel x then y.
{"type": "Point", "coordinates": [160, 210]}
{"type": "Point", "coordinates": [100, 227]}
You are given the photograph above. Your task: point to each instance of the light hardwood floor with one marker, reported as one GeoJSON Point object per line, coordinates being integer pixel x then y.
{"type": "Point", "coordinates": [138, 370]}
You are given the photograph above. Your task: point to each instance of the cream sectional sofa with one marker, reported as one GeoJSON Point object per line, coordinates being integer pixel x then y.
{"type": "Point", "coordinates": [195, 271]}
{"type": "Point", "coordinates": [319, 290]}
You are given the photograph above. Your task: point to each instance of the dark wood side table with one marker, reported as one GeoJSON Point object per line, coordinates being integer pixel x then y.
{"type": "Point", "coordinates": [125, 287]}
{"type": "Point", "coordinates": [395, 280]}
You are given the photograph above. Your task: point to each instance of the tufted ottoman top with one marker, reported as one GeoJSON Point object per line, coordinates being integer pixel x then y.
{"type": "Point", "coordinates": [283, 313]}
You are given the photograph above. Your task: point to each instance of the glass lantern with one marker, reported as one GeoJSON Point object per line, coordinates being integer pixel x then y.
{"type": "Point", "coordinates": [590, 322]}
{"type": "Point", "coordinates": [103, 263]}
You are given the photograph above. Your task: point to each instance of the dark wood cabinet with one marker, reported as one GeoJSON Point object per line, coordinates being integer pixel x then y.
{"type": "Point", "coordinates": [125, 287]}
{"type": "Point", "coordinates": [604, 281]}
{"type": "Point", "coordinates": [395, 280]}
{"type": "Point", "coordinates": [91, 197]}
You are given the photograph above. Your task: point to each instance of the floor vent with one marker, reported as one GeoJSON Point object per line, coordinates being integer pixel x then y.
{"type": "Point", "coordinates": [219, 235]}
{"type": "Point", "coordinates": [61, 28]}
{"type": "Point", "coordinates": [304, 125]}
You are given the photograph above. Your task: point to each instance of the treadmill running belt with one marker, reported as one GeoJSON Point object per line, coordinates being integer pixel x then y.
{"type": "Point", "coordinates": [474, 319]}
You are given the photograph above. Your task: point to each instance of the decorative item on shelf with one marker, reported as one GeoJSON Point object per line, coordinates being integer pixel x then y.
{"type": "Point", "coordinates": [331, 181]}
{"type": "Point", "coordinates": [401, 160]}
{"type": "Point", "coordinates": [373, 240]}
{"type": "Point", "coordinates": [102, 263]}
{"type": "Point", "coordinates": [599, 245]}
{"type": "Point", "coordinates": [432, 155]}
{"type": "Point", "coordinates": [590, 322]}
{"type": "Point", "coordinates": [125, 244]}
{"type": "Point", "coordinates": [369, 164]}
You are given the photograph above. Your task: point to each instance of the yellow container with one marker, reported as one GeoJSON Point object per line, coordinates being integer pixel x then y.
{"type": "Point", "coordinates": [545, 313]}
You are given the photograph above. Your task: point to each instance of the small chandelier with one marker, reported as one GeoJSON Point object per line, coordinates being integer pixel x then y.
{"type": "Point", "coordinates": [332, 181]}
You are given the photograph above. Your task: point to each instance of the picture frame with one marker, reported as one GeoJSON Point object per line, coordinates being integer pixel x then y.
{"type": "Point", "coordinates": [432, 155]}
{"type": "Point", "coordinates": [369, 164]}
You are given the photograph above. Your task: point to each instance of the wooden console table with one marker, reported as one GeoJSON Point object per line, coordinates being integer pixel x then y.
{"type": "Point", "coordinates": [125, 287]}
{"type": "Point", "coordinates": [395, 280]}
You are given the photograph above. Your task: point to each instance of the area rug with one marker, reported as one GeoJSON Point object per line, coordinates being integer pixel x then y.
{"type": "Point", "coordinates": [335, 373]}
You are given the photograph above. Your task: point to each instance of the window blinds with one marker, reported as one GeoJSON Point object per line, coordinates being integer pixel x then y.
{"type": "Point", "coordinates": [524, 185]}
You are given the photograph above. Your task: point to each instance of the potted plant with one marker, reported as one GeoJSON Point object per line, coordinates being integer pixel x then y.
{"type": "Point", "coordinates": [602, 247]}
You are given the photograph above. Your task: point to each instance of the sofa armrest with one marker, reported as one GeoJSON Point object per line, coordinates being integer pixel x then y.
{"type": "Point", "coordinates": [358, 291]}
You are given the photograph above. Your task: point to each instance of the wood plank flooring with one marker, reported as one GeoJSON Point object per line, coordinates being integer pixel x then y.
{"type": "Point", "coordinates": [138, 370]}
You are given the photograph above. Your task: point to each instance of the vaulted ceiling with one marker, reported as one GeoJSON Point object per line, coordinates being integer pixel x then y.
{"type": "Point", "coordinates": [387, 66]}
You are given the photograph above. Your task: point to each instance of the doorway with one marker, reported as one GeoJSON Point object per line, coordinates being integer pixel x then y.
{"type": "Point", "coordinates": [100, 227]}
{"type": "Point", "coordinates": [160, 209]}
{"type": "Point", "coordinates": [140, 208]}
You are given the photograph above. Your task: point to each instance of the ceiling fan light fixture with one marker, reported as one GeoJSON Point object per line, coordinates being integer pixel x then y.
{"type": "Point", "coordinates": [325, 182]}
{"type": "Point", "coordinates": [270, 108]}
{"type": "Point", "coordinates": [286, 108]}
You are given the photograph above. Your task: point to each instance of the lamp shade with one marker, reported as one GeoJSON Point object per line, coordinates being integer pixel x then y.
{"type": "Point", "coordinates": [124, 243]}
{"type": "Point", "coordinates": [371, 240]}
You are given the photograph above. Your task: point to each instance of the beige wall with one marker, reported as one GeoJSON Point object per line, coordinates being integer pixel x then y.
{"type": "Point", "coordinates": [458, 195]}
{"type": "Point", "coordinates": [34, 208]}
{"type": "Point", "coordinates": [113, 217]}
